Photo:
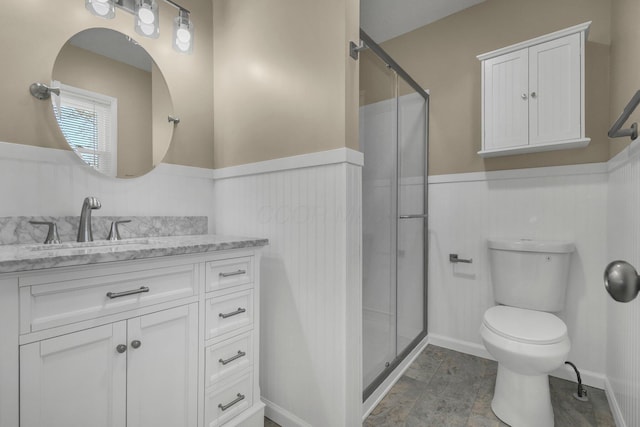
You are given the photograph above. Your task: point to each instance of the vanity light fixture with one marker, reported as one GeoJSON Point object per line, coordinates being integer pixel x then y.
{"type": "Point", "coordinates": [183, 32]}
{"type": "Point", "coordinates": [146, 19]}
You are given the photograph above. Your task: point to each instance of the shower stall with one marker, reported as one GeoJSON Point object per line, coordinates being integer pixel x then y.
{"type": "Point", "coordinates": [394, 139]}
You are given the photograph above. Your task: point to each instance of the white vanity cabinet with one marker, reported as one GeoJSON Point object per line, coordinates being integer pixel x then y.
{"type": "Point", "coordinates": [533, 95]}
{"type": "Point", "coordinates": [230, 345]}
{"type": "Point", "coordinates": [137, 372]}
{"type": "Point", "coordinates": [164, 342]}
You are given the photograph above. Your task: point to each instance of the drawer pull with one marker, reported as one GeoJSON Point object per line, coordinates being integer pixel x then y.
{"type": "Point", "coordinates": [233, 313]}
{"type": "Point", "coordinates": [231, 359]}
{"type": "Point", "coordinates": [113, 295]}
{"type": "Point", "coordinates": [233, 402]}
{"type": "Point", "coordinates": [233, 273]}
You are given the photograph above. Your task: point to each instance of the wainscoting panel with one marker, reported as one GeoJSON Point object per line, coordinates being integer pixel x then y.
{"type": "Point", "coordinates": [623, 319]}
{"type": "Point", "coordinates": [546, 204]}
{"type": "Point", "coordinates": [311, 318]}
{"type": "Point", "coordinates": [47, 182]}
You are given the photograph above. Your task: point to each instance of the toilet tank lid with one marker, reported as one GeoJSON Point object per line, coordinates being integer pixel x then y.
{"type": "Point", "coordinates": [529, 245]}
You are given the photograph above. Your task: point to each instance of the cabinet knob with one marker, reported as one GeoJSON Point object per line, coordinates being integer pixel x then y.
{"type": "Point", "coordinates": [524, 96]}
{"type": "Point", "coordinates": [121, 348]}
{"type": "Point", "coordinates": [533, 94]}
{"type": "Point", "coordinates": [136, 344]}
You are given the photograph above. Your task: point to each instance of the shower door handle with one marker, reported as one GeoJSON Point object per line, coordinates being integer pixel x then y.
{"type": "Point", "coordinates": [413, 216]}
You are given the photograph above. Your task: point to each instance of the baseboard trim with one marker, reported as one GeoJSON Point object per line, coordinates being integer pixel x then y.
{"type": "Point", "coordinates": [613, 404]}
{"type": "Point", "coordinates": [281, 416]}
{"type": "Point", "coordinates": [392, 379]}
{"type": "Point", "coordinates": [466, 347]}
{"type": "Point", "coordinates": [592, 379]}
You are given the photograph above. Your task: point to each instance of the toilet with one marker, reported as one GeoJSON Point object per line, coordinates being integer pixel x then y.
{"type": "Point", "coordinates": [529, 279]}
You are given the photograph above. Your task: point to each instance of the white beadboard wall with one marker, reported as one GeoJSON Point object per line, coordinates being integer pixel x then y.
{"type": "Point", "coordinates": [623, 319]}
{"type": "Point", "coordinates": [37, 181]}
{"type": "Point", "coordinates": [556, 203]}
{"type": "Point", "coordinates": [311, 320]}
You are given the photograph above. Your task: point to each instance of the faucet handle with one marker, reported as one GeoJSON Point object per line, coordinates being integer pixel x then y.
{"type": "Point", "coordinates": [52, 234]}
{"type": "Point", "coordinates": [114, 233]}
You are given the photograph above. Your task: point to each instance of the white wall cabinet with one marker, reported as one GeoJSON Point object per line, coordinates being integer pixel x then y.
{"type": "Point", "coordinates": [182, 353]}
{"type": "Point", "coordinates": [533, 95]}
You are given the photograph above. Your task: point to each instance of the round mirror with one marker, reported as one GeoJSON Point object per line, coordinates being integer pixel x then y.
{"type": "Point", "coordinates": [114, 107]}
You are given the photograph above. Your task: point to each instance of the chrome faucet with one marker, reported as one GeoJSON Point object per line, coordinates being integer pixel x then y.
{"type": "Point", "coordinates": [84, 229]}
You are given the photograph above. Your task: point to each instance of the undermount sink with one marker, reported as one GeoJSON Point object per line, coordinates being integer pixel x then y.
{"type": "Point", "coordinates": [103, 244]}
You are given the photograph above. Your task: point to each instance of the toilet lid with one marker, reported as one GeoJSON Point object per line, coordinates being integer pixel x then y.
{"type": "Point", "coordinates": [528, 326]}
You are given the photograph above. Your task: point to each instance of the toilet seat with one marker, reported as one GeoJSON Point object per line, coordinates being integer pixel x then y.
{"type": "Point", "coordinates": [525, 326]}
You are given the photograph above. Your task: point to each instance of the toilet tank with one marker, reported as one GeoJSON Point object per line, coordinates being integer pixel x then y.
{"type": "Point", "coordinates": [530, 274]}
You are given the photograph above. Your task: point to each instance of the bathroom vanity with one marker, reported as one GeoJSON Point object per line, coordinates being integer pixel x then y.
{"type": "Point", "coordinates": [144, 332]}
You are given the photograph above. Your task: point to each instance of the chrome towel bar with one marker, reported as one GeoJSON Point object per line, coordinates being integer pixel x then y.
{"type": "Point", "coordinates": [615, 131]}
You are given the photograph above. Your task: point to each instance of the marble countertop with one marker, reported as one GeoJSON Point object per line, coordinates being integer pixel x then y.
{"type": "Point", "coordinates": [29, 257]}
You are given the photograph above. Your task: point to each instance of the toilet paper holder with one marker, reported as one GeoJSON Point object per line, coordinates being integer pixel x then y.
{"type": "Point", "coordinates": [621, 280]}
{"type": "Point", "coordinates": [454, 259]}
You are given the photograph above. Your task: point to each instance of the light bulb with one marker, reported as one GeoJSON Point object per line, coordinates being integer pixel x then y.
{"type": "Point", "coordinates": [147, 29]}
{"type": "Point", "coordinates": [101, 8]}
{"type": "Point", "coordinates": [183, 46]}
{"type": "Point", "coordinates": [146, 15]}
{"type": "Point", "coordinates": [183, 35]}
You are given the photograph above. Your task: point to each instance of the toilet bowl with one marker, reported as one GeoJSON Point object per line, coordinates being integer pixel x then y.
{"type": "Point", "coordinates": [529, 280]}
{"type": "Point", "coordinates": [527, 344]}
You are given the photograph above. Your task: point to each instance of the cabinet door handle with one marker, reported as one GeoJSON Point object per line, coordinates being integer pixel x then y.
{"type": "Point", "coordinates": [533, 94]}
{"type": "Point", "coordinates": [233, 402]}
{"type": "Point", "coordinates": [136, 344]}
{"type": "Point", "coordinates": [233, 273]}
{"type": "Point", "coordinates": [233, 313]}
{"type": "Point", "coordinates": [524, 96]}
{"type": "Point", "coordinates": [121, 348]}
{"type": "Point", "coordinates": [113, 295]}
{"type": "Point", "coordinates": [231, 359]}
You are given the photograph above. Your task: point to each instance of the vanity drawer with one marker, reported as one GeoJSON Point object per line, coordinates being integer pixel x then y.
{"type": "Point", "coordinates": [226, 273]}
{"type": "Point", "coordinates": [74, 298]}
{"type": "Point", "coordinates": [229, 312]}
{"type": "Point", "coordinates": [228, 400]}
{"type": "Point", "coordinates": [228, 357]}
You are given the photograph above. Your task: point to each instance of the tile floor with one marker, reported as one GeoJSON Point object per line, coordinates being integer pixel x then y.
{"type": "Point", "coordinates": [446, 388]}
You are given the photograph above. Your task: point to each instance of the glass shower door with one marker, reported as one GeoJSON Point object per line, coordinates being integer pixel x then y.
{"type": "Point", "coordinates": [393, 138]}
{"type": "Point", "coordinates": [378, 133]}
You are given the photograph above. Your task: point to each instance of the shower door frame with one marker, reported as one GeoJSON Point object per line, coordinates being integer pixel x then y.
{"type": "Point", "coordinates": [400, 72]}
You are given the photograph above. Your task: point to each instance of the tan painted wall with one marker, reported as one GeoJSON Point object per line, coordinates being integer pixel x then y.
{"type": "Point", "coordinates": [45, 26]}
{"type": "Point", "coordinates": [284, 83]}
{"type": "Point", "coordinates": [442, 58]}
{"type": "Point", "coordinates": [625, 63]}
{"type": "Point", "coordinates": [162, 108]}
